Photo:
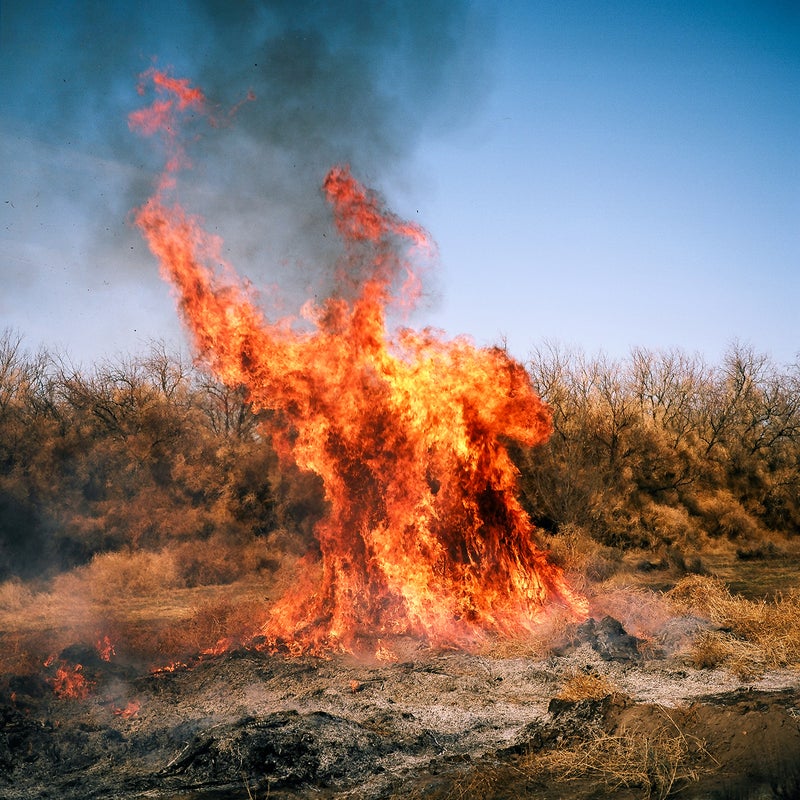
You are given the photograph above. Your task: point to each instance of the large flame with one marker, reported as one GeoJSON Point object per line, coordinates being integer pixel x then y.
{"type": "Point", "coordinates": [424, 534]}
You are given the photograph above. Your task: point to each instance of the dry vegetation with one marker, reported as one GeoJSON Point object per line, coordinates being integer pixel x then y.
{"type": "Point", "coordinates": [753, 636]}
{"type": "Point", "coordinates": [652, 756]}
{"type": "Point", "coordinates": [138, 500]}
{"type": "Point", "coordinates": [141, 601]}
{"type": "Point", "coordinates": [664, 449]}
{"type": "Point", "coordinates": [653, 759]}
{"type": "Point", "coordinates": [586, 686]}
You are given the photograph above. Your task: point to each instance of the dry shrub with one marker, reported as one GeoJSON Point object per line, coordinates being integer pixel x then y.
{"type": "Point", "coordinates": [724, 516]}
{"type": "Point", "coordinates": [578, 554]}
{"type": "Point", "coordinates": [127, 573]}
{"type": "Point", "coordinates": [683, 543]}
{"type": "Point", "coordinates": [586, 686]}
{"type": "Point", "coordinates": [219, 560]}
{"type": "Point", "coordinates": [754, 635]}
{"type": "Point", "coordinates": [14, 595]}
{"type": "Point", "coordinates": [141, 573]}
{"type": "Point", "coordinates": [654, 760]}
{"type": "Point", "coordinates": [212, 625]}
{"type": "Point", "coordinates": [672, 522]}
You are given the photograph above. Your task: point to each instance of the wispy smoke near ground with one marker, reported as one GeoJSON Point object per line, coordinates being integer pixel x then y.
{"type": "Point", "coordinates": [355, 82]}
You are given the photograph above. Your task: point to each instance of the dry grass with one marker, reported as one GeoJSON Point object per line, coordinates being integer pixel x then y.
{"type": "Point", "coordinates": [753, 636]}
{"type": "Point", "coordinates": [654, 760]}
{"type": "Point", "coordinates": [586, 686]}
{"type": "Point", "coordinates": [138, 600]}
{"type": "Point", "coordinates": [585, 560]}
{"type": "Point", "coordinates": [714, 649]}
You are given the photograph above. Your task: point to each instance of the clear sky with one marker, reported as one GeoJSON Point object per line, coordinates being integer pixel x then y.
{"type": "Point", "coordinates": [602, 174]}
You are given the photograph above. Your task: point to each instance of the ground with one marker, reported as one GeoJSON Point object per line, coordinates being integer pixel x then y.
{"type": "Point", "coordinates": [688, 691]}
{"type": "Point", "coordinates": [435, 724]}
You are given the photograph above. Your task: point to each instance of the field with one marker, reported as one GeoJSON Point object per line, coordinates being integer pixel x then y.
{"type": "Point", "coordinates": [696, 694]}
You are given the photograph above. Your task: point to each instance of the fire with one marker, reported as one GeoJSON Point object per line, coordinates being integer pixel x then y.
{"type": "Point", "coordinates": [70, 682]}
{"type": "Point", "coordinates": [222, 646]}
{"type": "Point", "coordinates": [130, 711]}
{"type": "Point", "coordinates": [105, 648]}
{"type": "Point", "coordinates": [424, 534]}
{"type": "Point", "coordinates": [175, 666]}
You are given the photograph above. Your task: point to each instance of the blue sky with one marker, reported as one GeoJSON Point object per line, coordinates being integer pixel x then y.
{"type": "Point", "coordinates": [606, 175]}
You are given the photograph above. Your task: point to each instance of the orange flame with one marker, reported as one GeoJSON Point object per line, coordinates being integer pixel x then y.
{"type": "Point", "coordinates": [70, 682]}
{"type": "Point", "coordinates": [105, 648]}
{"type": "Point", "coordinates": [424, 534]}
{"type": "Point", "coordinates": [130, 711]}
{"type": "Point", "coordinates": [175, 666]}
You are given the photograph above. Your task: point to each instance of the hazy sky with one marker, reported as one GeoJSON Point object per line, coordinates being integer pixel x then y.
{"type": "Point", "coordinates": [604, 174]}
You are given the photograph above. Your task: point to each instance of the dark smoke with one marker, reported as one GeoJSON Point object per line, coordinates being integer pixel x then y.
{"type": "Point", "coordinates": [357, 82]}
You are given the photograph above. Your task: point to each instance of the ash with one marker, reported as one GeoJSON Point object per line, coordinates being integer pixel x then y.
{"type": "Point", "coordinates": [251, 725]}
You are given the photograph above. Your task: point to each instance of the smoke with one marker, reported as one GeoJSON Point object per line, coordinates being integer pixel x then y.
{"type": "Point", "coordinates": [350, 82]}
{"type": "Point", "coordinates": [354, 82]}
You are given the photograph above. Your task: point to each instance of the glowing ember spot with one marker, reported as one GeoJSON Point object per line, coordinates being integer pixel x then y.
{"type": "Point", "coordinates": [130, 711]}
{"type": "Point", "coordinates": [105, 648]}
{"type": "Point", "coordinates": [424, 534]}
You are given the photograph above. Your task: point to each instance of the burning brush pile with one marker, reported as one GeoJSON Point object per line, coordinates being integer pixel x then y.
{"type": "Point", "coordinates": [424, 535]}
{"type": "Point", "coordinates": [402, 659]}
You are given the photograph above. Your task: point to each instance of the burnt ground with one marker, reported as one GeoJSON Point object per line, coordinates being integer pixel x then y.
{"type": "Point", "coordinates": [434, 725]}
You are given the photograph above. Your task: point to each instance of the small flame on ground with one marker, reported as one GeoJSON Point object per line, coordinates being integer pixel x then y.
{"type": "Point", "coordinates": [70, 682]}
{"type": "Point", "coordinates": [130, 711]}
{"type": "Point", "coordinates": [424, 534]}
{"type": "Point", "coordinates": [105, 649]}
{"type": "Point", "coordinates": [222, 646]}
{"type": "Point", "coordinates": [174, 666]}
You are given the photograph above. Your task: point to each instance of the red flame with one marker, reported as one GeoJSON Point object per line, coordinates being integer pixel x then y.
{"type": "Point", "coordinates": [175, 666]}
{"type": "Point", "coordinates": [424, 534]}
{"type": "Point", "coordinates": [130, 711]}
{"type": "Point", "coordinates": [70, 682]}
{"type": "Point", "coordinates": [105, 648]}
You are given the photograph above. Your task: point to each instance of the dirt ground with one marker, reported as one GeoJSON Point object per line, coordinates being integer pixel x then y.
{"type": "Point", "coordinates": [586, 723]}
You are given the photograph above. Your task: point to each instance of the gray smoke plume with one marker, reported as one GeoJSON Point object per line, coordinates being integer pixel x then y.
{"type": "Point", "coordinates": [353, 82]}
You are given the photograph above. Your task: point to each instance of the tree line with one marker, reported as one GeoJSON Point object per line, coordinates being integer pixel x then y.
{"type": "Point", "coordinates": [138, 453]}
{"type": "Point", "coordinates": [150, 451]}
{"type": "Point", "coordinates": [662, 445]}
